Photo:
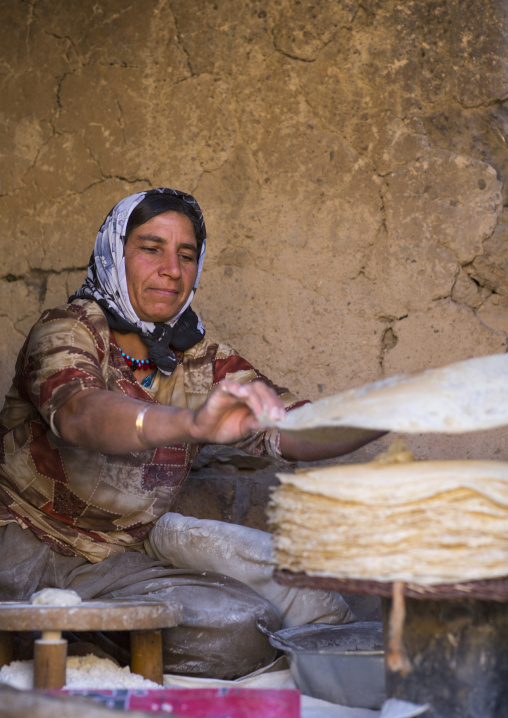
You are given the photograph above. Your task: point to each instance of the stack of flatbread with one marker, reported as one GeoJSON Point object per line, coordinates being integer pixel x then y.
{"type": "Point", "coordinates": [428, 522]}
{"type": "Point", "coordinates": [424, 522]}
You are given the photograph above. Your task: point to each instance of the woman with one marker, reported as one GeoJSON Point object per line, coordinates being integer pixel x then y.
{"type": "Point", "coordinates": [113, 396]}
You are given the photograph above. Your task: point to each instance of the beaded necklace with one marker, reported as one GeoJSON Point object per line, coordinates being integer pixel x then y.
{"type": "Point", "coordinates": [136, 364]}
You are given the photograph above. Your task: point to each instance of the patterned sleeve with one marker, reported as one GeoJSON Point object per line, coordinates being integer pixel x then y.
{"type": "Point", "coordinates": [236, 368]}
{"type": "Point", "coordinates": [61, 357]}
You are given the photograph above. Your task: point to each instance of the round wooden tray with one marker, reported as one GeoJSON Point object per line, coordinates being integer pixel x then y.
{"type": "Point", "coordinates": [489, 590]}
{"type": "Point", "coordinates": [108, 615]}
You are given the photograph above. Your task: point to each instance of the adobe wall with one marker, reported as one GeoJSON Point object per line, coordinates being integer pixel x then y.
{"type": "Point", "coordinates": [350, 158]}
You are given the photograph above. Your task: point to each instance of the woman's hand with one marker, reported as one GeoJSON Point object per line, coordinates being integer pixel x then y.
{"type": "Point", "coordinates": [234, 410]}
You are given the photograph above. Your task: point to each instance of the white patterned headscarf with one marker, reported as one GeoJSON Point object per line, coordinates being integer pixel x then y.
{"type": "Point", "coordinates": [106, 283]}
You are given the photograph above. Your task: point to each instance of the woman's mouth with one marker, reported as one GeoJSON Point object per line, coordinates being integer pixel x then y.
{"type": "Point", "coordinates": [164, 292]}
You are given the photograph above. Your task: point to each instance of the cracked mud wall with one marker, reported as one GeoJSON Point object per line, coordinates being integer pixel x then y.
{"type": "Point", "coordinates": [350, 158]}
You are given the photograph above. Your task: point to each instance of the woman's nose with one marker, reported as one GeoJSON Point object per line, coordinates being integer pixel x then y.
{"type": "Point", "coordinates": [171, 266]}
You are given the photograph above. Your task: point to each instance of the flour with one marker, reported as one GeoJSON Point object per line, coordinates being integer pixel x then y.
{"type": "Point", "coordinates": [82, 672]}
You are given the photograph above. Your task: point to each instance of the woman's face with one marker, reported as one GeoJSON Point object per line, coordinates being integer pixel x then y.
{"type": "Point", "coordinates": [161, 266]}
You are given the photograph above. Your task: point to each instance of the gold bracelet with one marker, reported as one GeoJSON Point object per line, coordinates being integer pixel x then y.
{"type": "Point", "coordinates": [140, 418]}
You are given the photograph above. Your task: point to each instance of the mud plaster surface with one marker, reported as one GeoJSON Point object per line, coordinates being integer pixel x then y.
{"type": "Point", "coordinates": [350, 159]}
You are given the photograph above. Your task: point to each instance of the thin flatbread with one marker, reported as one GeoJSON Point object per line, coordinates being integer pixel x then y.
{"type": "Point", "coordinates": [428, 522]}
{"type": "Point", "coordinates": [470, 395]}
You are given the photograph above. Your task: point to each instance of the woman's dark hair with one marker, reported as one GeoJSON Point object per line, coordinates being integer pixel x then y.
{"type": "Point", "coordinates": [154, 204]}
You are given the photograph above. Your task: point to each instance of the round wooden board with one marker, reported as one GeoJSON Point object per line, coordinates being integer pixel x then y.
{"type": "Point", "coordinates": [89, 616]}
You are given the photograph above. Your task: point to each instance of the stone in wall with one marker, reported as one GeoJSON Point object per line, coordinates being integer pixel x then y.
{"type": "Point", "coordinates": [226, 484]}
{"type": "Point", "coordinates": [21, 297]}
{"type": "Point", "coordinates": [490, 268]}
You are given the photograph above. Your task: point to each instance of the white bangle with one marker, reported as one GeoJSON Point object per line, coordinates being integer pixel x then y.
{"type": "Point", "coordinates": [140, 418]}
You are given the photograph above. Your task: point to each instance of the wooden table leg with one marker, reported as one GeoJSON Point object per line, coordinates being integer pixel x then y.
{"type": "Point", "coordinates": [50, 657]}
{"type": "Point", "coordinates": [146, 655]}
{"type": "Point", "coordinates": [6, 647]}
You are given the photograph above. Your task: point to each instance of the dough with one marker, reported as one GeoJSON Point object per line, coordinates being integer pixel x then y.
{"type": "Point", "coordinates": [55, 597]}
{"type": "Point", "coordinates": [467, 396]}
{"type": "Point", "coordinates": [423, 522]}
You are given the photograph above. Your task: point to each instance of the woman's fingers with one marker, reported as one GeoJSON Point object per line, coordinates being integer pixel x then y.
{"type": "Point", "coordinates": [258, 396]}
{"type": "Point", "coordinates": [234, 410]}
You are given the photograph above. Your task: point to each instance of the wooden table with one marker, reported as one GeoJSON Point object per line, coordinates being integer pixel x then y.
{"type": "Point", "coordinates": [144, 621]}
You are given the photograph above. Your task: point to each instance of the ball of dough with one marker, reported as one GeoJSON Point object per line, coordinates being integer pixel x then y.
{"type": "Point", "coordinates": [55, 597]}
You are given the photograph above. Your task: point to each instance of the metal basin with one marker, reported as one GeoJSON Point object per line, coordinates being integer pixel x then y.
{"type": "Point", "coordinates": [340, 664]}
